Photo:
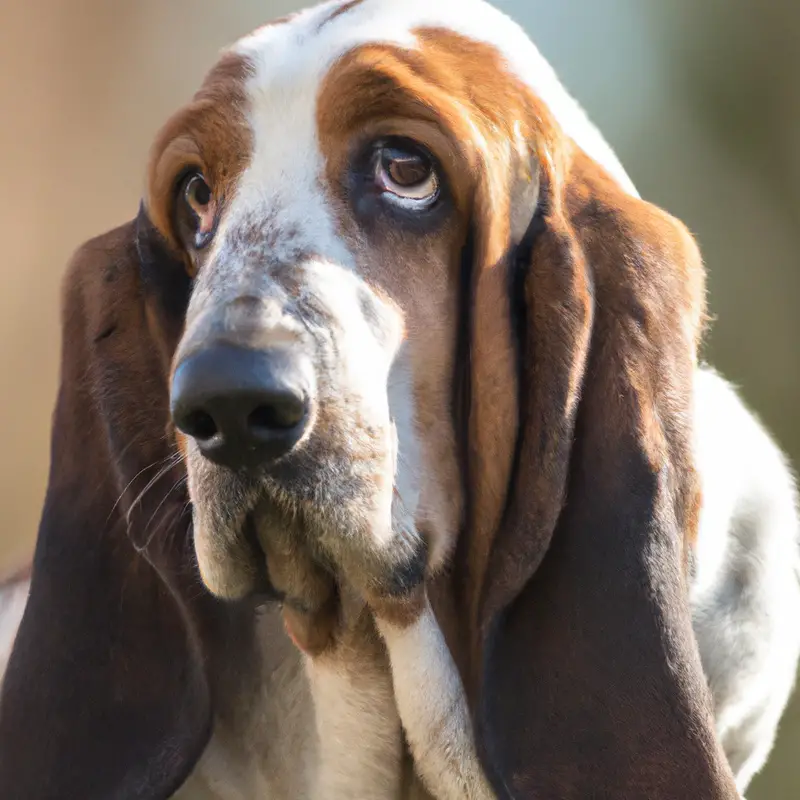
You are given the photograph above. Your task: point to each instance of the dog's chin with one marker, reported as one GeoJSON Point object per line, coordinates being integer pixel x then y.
{"type": "Point", "coordinates": [232, 540]}
{"type": "Point", "coordinates": [329, 501]}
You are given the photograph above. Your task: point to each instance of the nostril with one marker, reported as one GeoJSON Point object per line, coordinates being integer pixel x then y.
{"type": "Point", "coordinates": [278, 415]}
{"type": "Point", "coordinates": [199, 425]}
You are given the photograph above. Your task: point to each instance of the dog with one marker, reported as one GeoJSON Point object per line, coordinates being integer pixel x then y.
{"type": "Point", "coordinates": [384, 462]}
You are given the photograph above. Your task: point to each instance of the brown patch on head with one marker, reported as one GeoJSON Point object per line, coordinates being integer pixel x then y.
{"type": "Point", "coordinates": [454, 87]}
{"type": "Point", "coordinates": [210, 135]}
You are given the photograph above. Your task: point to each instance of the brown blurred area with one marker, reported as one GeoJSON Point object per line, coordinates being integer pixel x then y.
{"type": "Point", "coordinates": [701, 100]}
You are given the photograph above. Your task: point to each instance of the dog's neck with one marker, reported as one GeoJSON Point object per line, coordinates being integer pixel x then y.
{"type": "Point", "coordinates": [288, 727]}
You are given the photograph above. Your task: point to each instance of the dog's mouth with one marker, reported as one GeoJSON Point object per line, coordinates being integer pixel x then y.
{"type": "Point", "coordinates": [263, 590]}
{"type": "Point", "coordinates": [328, 510]}
{"type": "Point", "coordinates": [252, 534]}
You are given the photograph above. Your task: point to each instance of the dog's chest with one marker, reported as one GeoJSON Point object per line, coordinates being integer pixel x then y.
{"type": "Point", "coordinates": [302, 730]}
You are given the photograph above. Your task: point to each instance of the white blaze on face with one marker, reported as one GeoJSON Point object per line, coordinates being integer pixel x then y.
{"type": "Point", "coordinates": [362, 377]}
{"type": "Point", "coordinates": [407, 457]}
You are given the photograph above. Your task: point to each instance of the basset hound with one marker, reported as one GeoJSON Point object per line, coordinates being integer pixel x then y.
{"type": "Point", "coordinates": [383, 463]}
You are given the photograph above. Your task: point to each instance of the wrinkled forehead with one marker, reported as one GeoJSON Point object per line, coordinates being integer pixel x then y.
{"type": "Point", "coordinates": [254, 127]}
{"type": "Point", "coordinates": [291, 60]}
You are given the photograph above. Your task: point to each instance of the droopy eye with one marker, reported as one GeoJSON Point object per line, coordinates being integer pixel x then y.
{"type": "Point", "coordinates": [196, 209]}
{"type": "Point", "coordinates": [405, 173]}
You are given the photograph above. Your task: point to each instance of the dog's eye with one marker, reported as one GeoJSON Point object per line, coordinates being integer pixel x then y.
{"type": "Point", "coordinates": [406, 175]}
{"type": "Point", "coordinates": [197, 209]}
{"type": "Point", "coordinates": [197, 194]}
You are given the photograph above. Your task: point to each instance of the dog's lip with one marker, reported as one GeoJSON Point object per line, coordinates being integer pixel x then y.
{"type": "Point", "coordinates": [263, 591]}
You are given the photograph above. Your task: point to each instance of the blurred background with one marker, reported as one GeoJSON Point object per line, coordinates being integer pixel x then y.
{"type": "Point", "coordinates": [701, 101]}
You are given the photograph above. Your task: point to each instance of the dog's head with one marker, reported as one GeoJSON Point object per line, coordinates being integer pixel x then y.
{"type": "Point", "coordinates": [346, 188]}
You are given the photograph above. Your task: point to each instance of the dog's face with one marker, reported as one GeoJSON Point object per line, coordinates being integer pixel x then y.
{"type": "Point", "coordinates": [322, 194]}
{"type": "Point", "coordinates": [323, 188]}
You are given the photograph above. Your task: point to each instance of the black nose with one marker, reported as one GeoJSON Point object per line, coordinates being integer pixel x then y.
{"type": "Point", "coordinates": [243, 407]}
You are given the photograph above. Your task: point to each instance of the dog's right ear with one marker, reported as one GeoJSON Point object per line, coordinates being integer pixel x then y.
{"type": "Point", "coordinates": [105, 693]}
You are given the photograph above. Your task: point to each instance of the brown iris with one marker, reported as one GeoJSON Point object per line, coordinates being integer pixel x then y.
{"type": "Point", "coordinates": [407, 175]}
{"type": "Point", "coordinates": [196, 212]}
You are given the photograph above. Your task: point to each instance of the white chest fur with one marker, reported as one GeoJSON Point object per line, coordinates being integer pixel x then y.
{"type": "Point", "coordinates": [328, 728]}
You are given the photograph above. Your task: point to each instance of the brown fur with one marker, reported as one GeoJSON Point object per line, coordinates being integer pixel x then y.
{"type": "Point", "coordinates": [210, 135]}
{"type": "Point", "coordinates": [90, 727]}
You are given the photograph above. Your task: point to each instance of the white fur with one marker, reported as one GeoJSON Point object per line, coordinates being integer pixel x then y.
{"type": "Point", "coordinates": [746, 593]}
{"type": "Point", "coordinates": [432, 705]}
{"type": "Point", "coordinates": [311, 730]}
{"type": "Point", "coordinates": [407, 456]}
{"type": "Point", "coordinates": [358, 729]}
{"type": "Point", "coordinates": [265, 745]}
{"type": "Point", "coordinates": [13, 598]}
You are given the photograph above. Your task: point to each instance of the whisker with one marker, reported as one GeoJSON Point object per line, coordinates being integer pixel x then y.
{"type": "Point", "coordinates": [165, 523]}
{"type": "Point", "coordinates": [131, 481]}
{"type": "Point", "coordinates": [177, 514]}
{"type": "Point", "coordinates": [172, 461]}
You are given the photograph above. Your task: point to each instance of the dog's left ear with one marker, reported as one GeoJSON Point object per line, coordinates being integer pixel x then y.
{"type": "Point", "coordinates": [106, 693]}
{"type": "Point", "coordinates": [585, 679]}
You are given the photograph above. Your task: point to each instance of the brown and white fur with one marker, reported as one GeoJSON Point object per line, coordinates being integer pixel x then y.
{"type": "Point", "coordinates": [376, 706]}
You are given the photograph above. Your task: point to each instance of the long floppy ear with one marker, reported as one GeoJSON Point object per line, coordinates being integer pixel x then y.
{"type": "Point", "coordinates": [105, 693]}
{"type": "Point", "coordinates": [588, 682]}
